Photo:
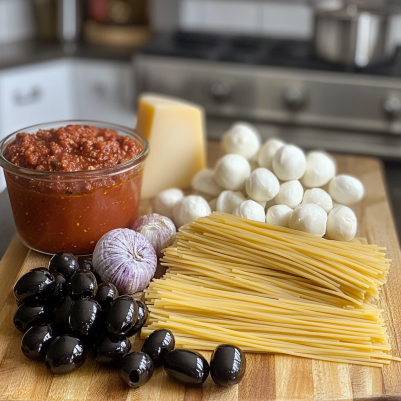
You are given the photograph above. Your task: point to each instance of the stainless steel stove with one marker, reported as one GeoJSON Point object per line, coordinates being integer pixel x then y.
{"type": "Point", "coordinates": [282, 88]}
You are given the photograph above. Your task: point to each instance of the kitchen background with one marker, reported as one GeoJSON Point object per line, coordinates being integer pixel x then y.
{"type": "Point", "coordinates": [249, 59]}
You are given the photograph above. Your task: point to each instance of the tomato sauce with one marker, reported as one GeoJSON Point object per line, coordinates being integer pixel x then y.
{"type": "Point", "coordinates": [64, 214]}
{"type": "Point", "coordinates": [71, 148]}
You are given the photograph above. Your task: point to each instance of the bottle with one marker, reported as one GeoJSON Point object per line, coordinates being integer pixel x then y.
{"type": "Point", "coordinates": [69, 20]}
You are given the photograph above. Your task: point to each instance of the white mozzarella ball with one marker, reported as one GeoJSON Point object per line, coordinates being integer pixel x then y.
{"type": "Point", "coordinates": [341, 224]}
{"type": "Point", "coordinates": [229, 200]}
{"type": "Point", "coordinates": [267, 152]}
{"type": "Point", "coordinates": [213, 204]}
{"type": "Point", "coordinates": [242, 139]}
{"type": "Point", "coordinates": [320, 169]}
{"type": "Point", "coordinates": [204, 181]}
{"type": "Point", "coordinates": [309, 218]}
{"type": "Point", "coordinates": [290, 194]}
{"type": "Point", "coordinates": [262, 185]}
{"type": "Point", "coordinates": [164, 201]}
{"type": "Point", "coordinates": [289, 163]}
{"type": "Point", "coordinates": [189, 209]}
{"type": "Point", "coordinates": [319, 197]}
{"type": "Point", "coordinates": [279, 215]}
{"type": "Point", "coordinates": [346, 190]}
{"type": "Point", "coordinates": [232, 171]}
{"type": "Point", "coordinates": [250, 210]}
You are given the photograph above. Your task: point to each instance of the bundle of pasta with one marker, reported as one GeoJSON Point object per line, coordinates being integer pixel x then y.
{"type": "Point", "coordinates": [271, 289]}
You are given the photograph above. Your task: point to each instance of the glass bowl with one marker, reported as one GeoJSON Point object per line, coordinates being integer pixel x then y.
{"type": "Point", "coordinates": [70, 211]}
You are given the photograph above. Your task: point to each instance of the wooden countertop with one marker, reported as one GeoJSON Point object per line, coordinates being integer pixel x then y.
{"type": "Point", "coordinates": [268, 377]}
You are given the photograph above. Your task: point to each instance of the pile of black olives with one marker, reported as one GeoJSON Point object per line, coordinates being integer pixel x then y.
{"type": "Point", "coordinates": [65, 310]}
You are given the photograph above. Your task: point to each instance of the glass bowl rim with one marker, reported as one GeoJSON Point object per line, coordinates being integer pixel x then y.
{"type": "Point", "coordinates": [82, 174]}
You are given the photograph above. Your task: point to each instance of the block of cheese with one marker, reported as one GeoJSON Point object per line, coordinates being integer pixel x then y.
{"type": "Point", "coordinates": [175, 131]}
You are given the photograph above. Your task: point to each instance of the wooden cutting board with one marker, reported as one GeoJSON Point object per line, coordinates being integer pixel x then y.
{"type": "Point", "coordinates": [268, 377]}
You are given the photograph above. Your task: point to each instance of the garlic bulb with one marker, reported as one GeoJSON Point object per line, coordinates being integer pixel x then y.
{"type": "Point", "coordinates": [159, 230]}
{"type": "Point", "coordinates": [126, 259]}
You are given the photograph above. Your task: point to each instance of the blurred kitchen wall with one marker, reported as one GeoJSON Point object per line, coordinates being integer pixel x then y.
{"type": "Point", "coordinates": [274, 18]}
{"type": "Point", "coordinates": [16, 20]}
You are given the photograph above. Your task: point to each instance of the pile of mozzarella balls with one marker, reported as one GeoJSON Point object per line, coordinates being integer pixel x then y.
{"type": "Point", "coordinates": [274, 183]}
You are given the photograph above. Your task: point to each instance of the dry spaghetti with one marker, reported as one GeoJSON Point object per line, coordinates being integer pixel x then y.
{"type": "Point", "coordinates": [271, 289]}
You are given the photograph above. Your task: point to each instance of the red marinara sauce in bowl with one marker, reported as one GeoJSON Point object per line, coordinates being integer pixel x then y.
{"type": "Point", "coordinates": [70, 182]}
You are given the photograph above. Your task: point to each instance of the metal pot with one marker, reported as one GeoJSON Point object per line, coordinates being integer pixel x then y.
{"type": "Point", "coordinates": [352, 34]}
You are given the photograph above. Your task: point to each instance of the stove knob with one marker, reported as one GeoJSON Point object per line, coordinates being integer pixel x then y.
{"type": "Point", "coordinates": [294, 98]}
{"type": "Point", "coordinates": [220, 91]}
{"type": "Point", "coordinates": [392, 107]}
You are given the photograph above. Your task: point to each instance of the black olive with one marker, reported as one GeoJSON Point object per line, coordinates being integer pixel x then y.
{"type": "Point", "coordinates": [83, 285]}
{"type": "Point", "coordinates": [28, 315]}
{"type": "Point", "coordinates": [136, 369]}
{"type": "Point", "coordinates": [188, 367]}
{"type": "Point", "coordinates": [64, 263]}
{"type": "Point", "coordinates": [36, 340]}
{"type": "Point", "coordinates": [85, 263]}
{"type": "Point", "coordinates": [106, 294]}
{"type": "Point", "coordinates": [121, 315]}
{"type": "Point", "coordinates": [227, 365]}
{"type": "Point", "coordinates": [158, 344]}
{"type": "Point", "coordinates": [61, 315]}
{"type": "Point", "coordinates": [30, 301]}
{"type": "Point", "coordinates": [109, 349]}
{"type": "Point", "coordinates": [37, 283]}
{"type": "Point", "coordinates": [86, 317]}
{"type": "Point", "coordinates": [143, 314]}
{"type": "Point", "coordinates": [65, 354]}
{"type": "Point", "coordinates": [60, 291]}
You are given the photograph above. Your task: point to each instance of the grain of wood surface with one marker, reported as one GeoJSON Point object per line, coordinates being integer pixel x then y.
{"type": "Point", "coordinates": [268, 377]}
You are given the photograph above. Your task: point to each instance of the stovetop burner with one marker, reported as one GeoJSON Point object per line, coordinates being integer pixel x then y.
{"type": "Point", "coordinates": [259, 51]}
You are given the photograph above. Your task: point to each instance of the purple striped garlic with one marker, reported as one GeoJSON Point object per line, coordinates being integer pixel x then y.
{"type": "Point", "coordinates": [126, 259]}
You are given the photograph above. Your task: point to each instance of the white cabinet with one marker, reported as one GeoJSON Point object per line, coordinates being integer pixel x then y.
{"type": "Point", "coordinates": [105, 91]}
{"type": "Point", "coordinates": [66, 89]}
{"type": "Point", "coordinates": [35, 94]}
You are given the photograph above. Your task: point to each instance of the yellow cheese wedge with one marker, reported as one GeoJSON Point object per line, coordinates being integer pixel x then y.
{"type": "Point", "coordinates": [175, 131]}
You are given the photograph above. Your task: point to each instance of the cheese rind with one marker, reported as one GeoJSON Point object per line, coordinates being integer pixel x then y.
{"type": "Point", "coordinates": [175, 132]}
